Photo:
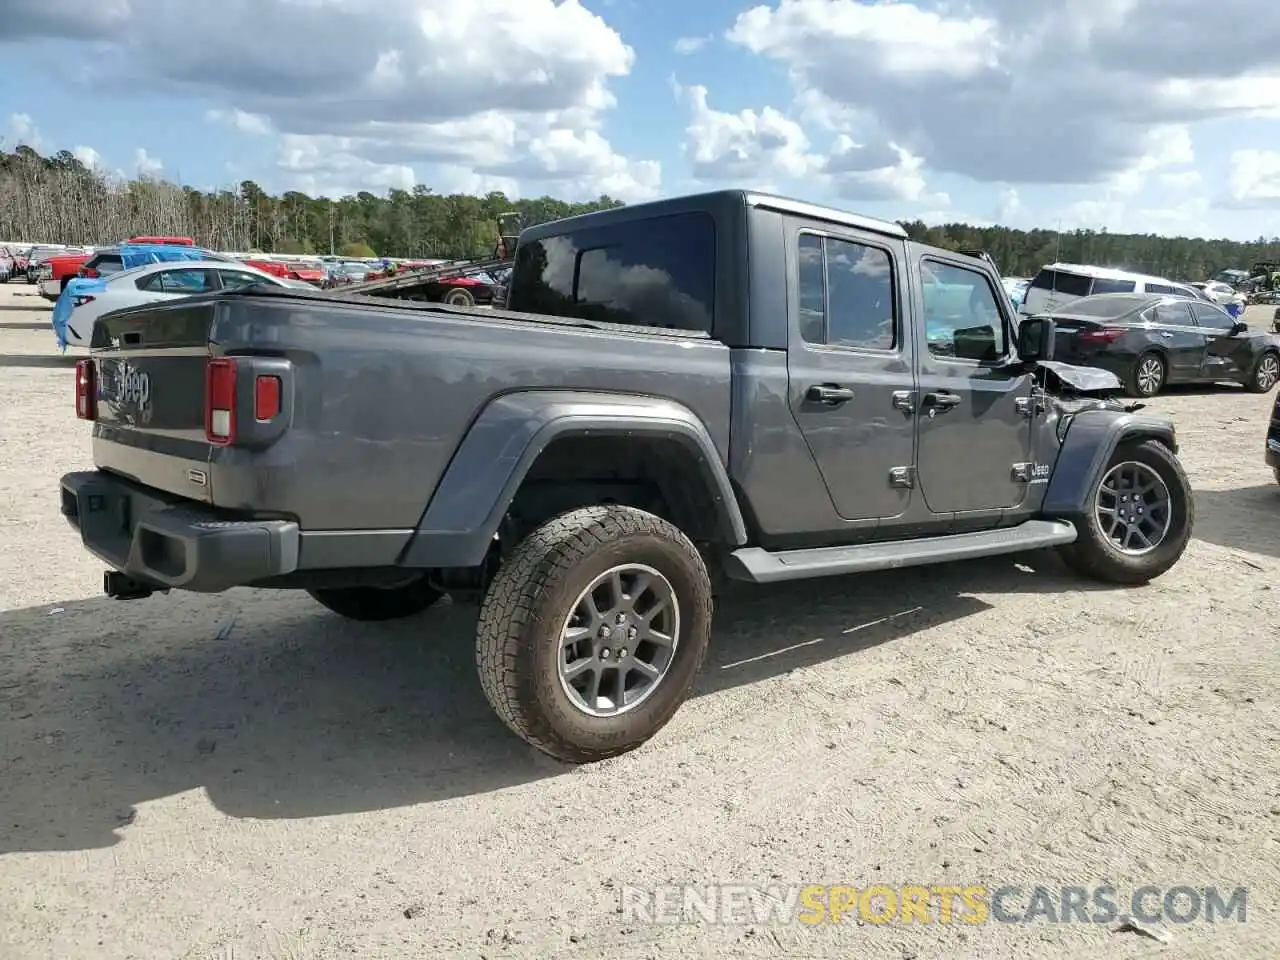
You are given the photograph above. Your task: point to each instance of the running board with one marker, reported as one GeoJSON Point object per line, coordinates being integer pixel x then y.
{"type": "Point", "coordinates": [760, 566]}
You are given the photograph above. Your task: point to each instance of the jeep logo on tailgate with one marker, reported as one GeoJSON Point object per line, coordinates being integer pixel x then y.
{"type": "Point", "coordinates": [135, 386]}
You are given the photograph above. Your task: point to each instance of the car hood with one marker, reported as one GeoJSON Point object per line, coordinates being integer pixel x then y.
{"type": "Point", "coordinates": [1090, 380]}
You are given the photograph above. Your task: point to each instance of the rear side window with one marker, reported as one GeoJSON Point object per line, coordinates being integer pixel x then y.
{"type": "Point", "coordinates": [1102, 285]}
{"type": "Point", "coordinates": [658, 272]}
{"type": "Point", "coordinates": [846, 294]}
{"type": "Point", "coordinates": [106, 264]}
{"type": "Point", "coordinates": [1072, 284]}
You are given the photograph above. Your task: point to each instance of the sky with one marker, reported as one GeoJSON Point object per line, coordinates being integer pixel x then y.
{"type": "Point", "coordinates": [1147, 116]}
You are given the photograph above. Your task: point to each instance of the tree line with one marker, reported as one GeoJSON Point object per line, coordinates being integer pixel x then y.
{"type": "Point", "coordinates": [57, 199]}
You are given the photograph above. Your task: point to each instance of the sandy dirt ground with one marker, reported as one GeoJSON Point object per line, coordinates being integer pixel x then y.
{"type": "Point", "coordinates": [247, 775]}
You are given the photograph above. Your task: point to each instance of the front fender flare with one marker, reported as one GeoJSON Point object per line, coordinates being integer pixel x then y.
{"type": "Point", "coordinates": [1090, 440]}
{"type": "Point", "coordinates": [489, 465]}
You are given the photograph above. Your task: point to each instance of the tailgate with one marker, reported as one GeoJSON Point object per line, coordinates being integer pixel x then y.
{"type": "Point", "coordinates": [150, 370]}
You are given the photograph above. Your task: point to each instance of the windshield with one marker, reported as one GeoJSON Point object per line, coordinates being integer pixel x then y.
{"type": "Point", "coordinates": [1114, 305]}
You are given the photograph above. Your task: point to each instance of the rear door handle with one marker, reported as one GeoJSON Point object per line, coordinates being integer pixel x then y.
{"type": "Point", "coordinates": [940, 402]}
{"type": "Point", "coordinates": [829, 393]}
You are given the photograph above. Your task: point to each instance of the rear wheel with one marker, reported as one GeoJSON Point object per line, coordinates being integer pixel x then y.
{"type": "Point", "coordinates": [1139, 519]}
{"type": "Point", "coordinates": [460, 297]}
{"type": "Point", "coordinates": [1148, 376]}
{"type": "Point", "coordinates": [593, 631]}
{"type": "Point", "coordinates": [1266, 374]}
{"type": "Point", "coordinates": [371, 604]}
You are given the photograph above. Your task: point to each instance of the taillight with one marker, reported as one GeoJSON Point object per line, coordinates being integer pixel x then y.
{"type": "Point", "coordinates": [220, 401]}
{"type": "Point", "coordinates": [1102, 335]}
{"type": "Point", "coordinates": [86, 390]}
{"type": "Point", "coordinates": [81, 301]}
{"type": "Point", "coordinates": [266, 398]}
{"type": "Point", "coordinates": [88, 272]}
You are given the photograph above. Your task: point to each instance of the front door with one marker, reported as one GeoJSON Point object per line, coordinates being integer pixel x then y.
{"type": "Point", "coordinates": [1227, 355]}
{"type": "Point", "coordinates": [974, 449]}
{"type": "Point", "coordinates": [850, 369]}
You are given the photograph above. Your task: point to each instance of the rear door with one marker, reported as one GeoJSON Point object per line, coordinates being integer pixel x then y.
{"type": "Point", "coordinates": [1227, 356]}
{"type": "Point", "coordinates": [850, 367]}
{"type": "Point", "coordinates": [974, 428]}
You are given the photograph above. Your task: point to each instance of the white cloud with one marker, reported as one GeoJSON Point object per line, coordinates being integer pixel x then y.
{"type": "Point", "coordinates": [1255, 179]}
{"type": "Point", "coordinates": [500, 87]}
{"type": "Point", "coordinates": [250, 123]}
{"type": "Point", "coordinates": [688, 45]}
{"type": "Point", "coordinates": [88, 156]}
{"type": "Point", "coordinates": [24, 131]}
{"type": "Point", "coordinates": [1026, 92]}
{"type": "Point", "coordinates": [747, 147]}
{"type": "Point", "coordinates": [146, 164]}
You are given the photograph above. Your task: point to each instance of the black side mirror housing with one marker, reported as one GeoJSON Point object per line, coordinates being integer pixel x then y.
{"type": "Point", "coordinates": [1036, 339]}
{"type": "Point", "coordinates": [1239, 327]}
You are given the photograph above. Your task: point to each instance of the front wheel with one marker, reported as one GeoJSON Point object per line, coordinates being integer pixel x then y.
{"type": "Point", "coordinates": [1265, 374]}
{"type": "Point", "coordinates": [1139, 518]}
{"type": "Point", "coordinates": [593, 631]}
{"type": "Point", "coordinates": [1147, 377]}
{"type": "Point", "coordinates": [372, 604]}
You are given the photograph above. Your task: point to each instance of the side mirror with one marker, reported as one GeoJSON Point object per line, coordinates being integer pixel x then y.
{"type": "Point", "coordinates": [1239, 327]}
{"type": "Point", "coordinates": [1036, 339]}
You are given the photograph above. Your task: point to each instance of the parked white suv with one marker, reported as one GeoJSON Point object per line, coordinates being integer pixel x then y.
{"type": "Point", "coordinates": [1060, 283]}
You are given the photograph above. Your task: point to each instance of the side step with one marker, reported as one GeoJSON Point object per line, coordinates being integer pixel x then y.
{"type": "Point", "coordinates": [760, 566]}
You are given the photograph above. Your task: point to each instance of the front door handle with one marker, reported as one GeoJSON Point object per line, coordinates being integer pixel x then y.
{"type": "Point", "coordinates": [1166, 334]}
{"type": "Point", "coordinates": [936, 403]}
{"type": "Point", "coordinates": [829, 393]}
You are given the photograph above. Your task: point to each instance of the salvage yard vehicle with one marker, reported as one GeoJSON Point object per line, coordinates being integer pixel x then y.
{"type": "Point", "coordinates": [726, 383]}
{"type": "Point", "coordinates": [1058, 284]}
{"type": "Point", "coordinates": [1151, 340]}
{"type": "Point", "coordinates": [1273, 440]}
{"type": "Point", "coordinates": [90, 297]}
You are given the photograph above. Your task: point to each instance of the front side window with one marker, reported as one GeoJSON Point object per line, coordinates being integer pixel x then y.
{"type": "Point", "coordinates": [234, 279]}
{"type": "Point", "coordinates": [1212, 317]}
{"type": "Point", "coordinates": [962, 318]}
{"type": "Point", "coordinates": [846, 294]}
{"type": "Point", "coordinates": [1160, 288]}
{"type": "Point", "coordinates": [177, 281]}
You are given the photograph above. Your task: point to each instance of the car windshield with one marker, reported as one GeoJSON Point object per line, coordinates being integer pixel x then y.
{"type": "Point", "coordinates": [1108, 305]}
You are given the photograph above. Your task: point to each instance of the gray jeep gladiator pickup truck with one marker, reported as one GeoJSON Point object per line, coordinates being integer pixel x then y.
{"type": "Point", "coordinates": [745, 384]}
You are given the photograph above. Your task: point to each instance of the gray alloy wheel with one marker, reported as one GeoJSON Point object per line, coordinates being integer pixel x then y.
{"type": "Point", "coordinates": [1133, 508]}
{"type": "Point", "coordinates": [619, 640]}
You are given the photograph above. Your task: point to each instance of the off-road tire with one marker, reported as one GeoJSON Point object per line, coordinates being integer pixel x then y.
{"type": "Point", "coordinates": [518, 635]}
{"type": "Point", "coordinates": [1131, 386]}
{"type": "Point", "coordinates": [459, 297]}
{"type": "Point", "coordinates": [1252, 384]}
{"type": "Point", "coordinates": [1093, 555]}
{"type": "Point", "coordinates": [374, 604]}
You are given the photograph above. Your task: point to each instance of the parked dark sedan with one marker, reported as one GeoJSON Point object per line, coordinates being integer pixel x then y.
{"type": "Point", "coordinates": [1273, 440]}
{"type": "Point", "coordinates": [1150, 340]}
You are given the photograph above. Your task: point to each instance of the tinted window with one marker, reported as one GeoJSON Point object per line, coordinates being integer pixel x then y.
{"type": "Point", "coordinates": [1174, 313]}
{"type": "Point", "coordinates": [106, 264]}
{"type": "Point", "coordinates": [1116, 306]}
{"type": "Point", "coordinates": [961, 315]}
{"type": "Point", "coordinates": [659, 272]}
{"type": "Point", "coordinates": [1158, 288]}
{"type": "Point", "coordinates": [1071, 284]}
{"type": "Point", "coordinates": [234, 279]}
{"type": "Point", "coordinates": [1208, 315]}
{"type": "Point", "coordinates": [177, 281]}
{"type": "Point", "coordinates": [1102, 285]}
{"type": "Point", "coordinates": [846, 294]}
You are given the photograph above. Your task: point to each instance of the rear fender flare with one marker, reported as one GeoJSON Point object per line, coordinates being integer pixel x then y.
{"type": "Point", "coordinates": [1091, 440]}
{"type": "Point", "coordinates": [486, 471]}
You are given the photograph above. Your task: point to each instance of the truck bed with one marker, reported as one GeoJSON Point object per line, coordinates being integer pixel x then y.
{"type": "Point", "coordinates": [378, 395]}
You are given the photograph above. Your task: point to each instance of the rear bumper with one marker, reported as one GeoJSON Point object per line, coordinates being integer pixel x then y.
{"type": "Point", "coordinates": [173, 542]}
